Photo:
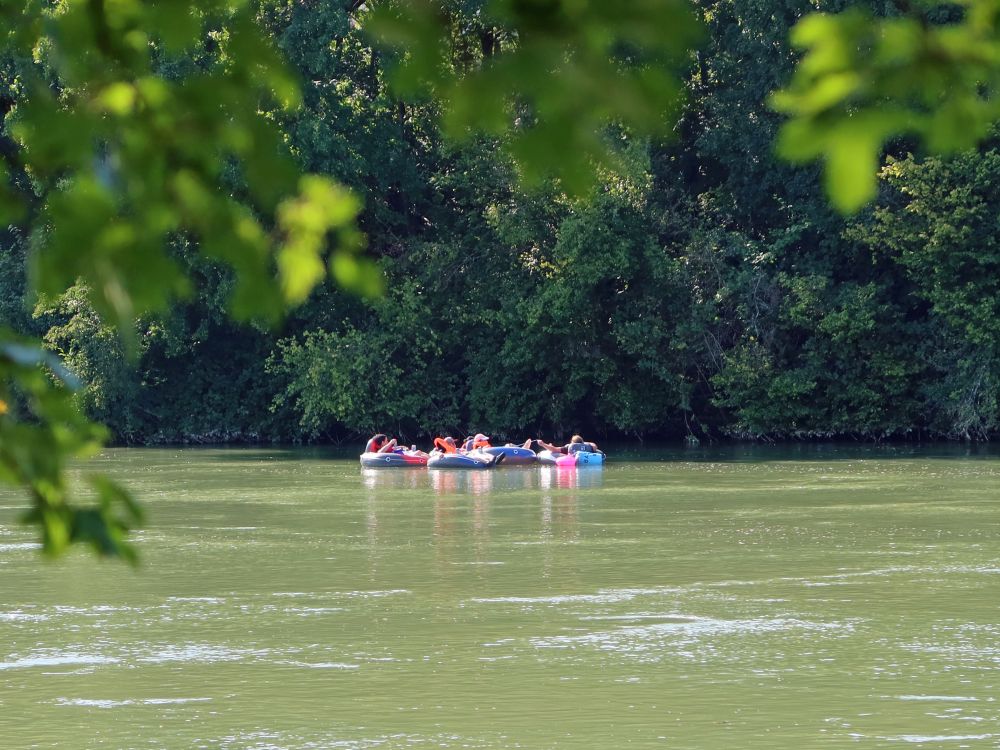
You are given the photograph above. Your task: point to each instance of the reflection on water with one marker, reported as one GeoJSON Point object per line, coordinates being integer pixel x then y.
{"type": "Point", "coordinates": [394, 478]}
{"type": "Point", "coordinates": [484, 481]}
{"type": "Point", "coordinates": [560, 517]}
{"type": "Point", "coordinates": [456, 481]}
{"type": "Point", "coordinates": [296, 604]}
{"type": "Point", "coordinates": [570, 477]}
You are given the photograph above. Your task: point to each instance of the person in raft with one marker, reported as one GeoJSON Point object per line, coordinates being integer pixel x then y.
{"type": "Point", "coordinates": [383, 444]}
{"type": "Point", "coordinates": [576, 444]}
{"type": "Point", "coordinates": [476, 442]}
{"type": "Point", "coordinates": [445, 444]}
{"type": "Point", "coordinates": [380, 444]}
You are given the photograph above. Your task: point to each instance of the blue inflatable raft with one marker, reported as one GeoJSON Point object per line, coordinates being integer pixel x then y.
{"type": "Point", "coordinates": [513, 454]}
{"type": "Point", "coordinates": [385, 460]}
{"type": "Point", "coordinates": [472, 460]}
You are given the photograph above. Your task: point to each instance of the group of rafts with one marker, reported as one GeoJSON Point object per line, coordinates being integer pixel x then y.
{"type": "Point", "coordinates": [477, 453]}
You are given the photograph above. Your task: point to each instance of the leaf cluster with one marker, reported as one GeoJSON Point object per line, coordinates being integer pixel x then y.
{"type": "Point", "coordinates": [552, 76]}
{"type": "Point", "coordinates": [864, 80]}
{"type": "Point", "coordinates": [40, 429]}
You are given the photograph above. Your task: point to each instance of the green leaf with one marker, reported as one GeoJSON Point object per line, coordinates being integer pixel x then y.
{"type": "Point", "coordinates": [119, 98]}
{"type": "Point", "coordinates": [800, 140]}
{"type": "Point", "coordinates": [300, 269]}
{"type": "Point", "coordinates": [27, 355]}
{"type": "Point", "coordinates": [851, 167]}
{"type": "Point", "coordinates": [958, 123]}
{"type": "Point", "coordinates": [176, 22]}
{"type": "Point", "coordinates": [359, 275]}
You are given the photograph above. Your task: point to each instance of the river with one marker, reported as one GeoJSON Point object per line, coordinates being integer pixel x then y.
{"type": "Point", "coordinates": [824, 597]}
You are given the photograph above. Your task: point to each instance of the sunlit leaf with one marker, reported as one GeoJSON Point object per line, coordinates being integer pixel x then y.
{"type": "Point", "coordinates": [300, 268]}
{"type": "Point", "coordinates": [118, 98]}
{"type": "Point", "coordinates": [851, 167]}
{"type": "Point", "coordinates": [357, 274]}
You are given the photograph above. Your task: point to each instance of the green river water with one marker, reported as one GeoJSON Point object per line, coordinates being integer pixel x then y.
{"type": "Point", "coordinates": [829, 597]}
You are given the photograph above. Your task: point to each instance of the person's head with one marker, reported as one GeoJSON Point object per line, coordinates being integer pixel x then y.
{"type": "Point", "coordinates": [380, 439]}
{"type": "Point", "coordinates": [450, 440]}
{"type": "Point", "coordinates": [576, 439]}
{"type": "Point", "coordinates": [480, 438]}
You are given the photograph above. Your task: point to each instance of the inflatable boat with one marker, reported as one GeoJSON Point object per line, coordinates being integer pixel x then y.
{"type": "Point", "coordinates": [550, 458]}
{"type": "Point", "coordinates": [471, 460]}
{"type": "Point", "coordinates": [380, 460]}
{"type": "Point", "coordinates": [580, 458]}
{"type": "Point", "coordinates": [513, 454]}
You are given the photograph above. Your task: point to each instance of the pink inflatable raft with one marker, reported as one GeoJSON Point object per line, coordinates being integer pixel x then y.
{"type": "Point", "coordinates": [580, 458]}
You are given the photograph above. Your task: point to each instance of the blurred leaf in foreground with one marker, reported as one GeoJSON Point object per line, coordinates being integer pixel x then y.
{"type": "Point", "coordinates": [122, 159]}
{"type": "Point", "coordinates": [864, 80]}
{"type": "Point", "coordinates": [41, 429]}
{"type": "Point", "coordinates": [553, 75]}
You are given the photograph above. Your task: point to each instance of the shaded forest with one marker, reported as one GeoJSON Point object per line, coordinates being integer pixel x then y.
{"type": "Point", "coordinates": [702, 289]}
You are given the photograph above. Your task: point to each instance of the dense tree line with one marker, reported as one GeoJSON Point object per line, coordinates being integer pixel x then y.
{"type": "Point", "coordinates": [702, 288]}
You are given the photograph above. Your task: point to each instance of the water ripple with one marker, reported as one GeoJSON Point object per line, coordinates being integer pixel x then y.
{"type": "Point", "coordinates": [57, 660]}
{"type": "Point", "coordinates": [100, 703]}
{"type": "Point", "coordinates": [650, 638]}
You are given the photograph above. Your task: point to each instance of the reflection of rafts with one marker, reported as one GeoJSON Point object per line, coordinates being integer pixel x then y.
{"type": "Point", "coordinates": [570, 477]}
{"type": "Point", "coordinates": [447, 482]}
{"type": "Point", "coordinates": [516, 478]}
{"type": "Point", "coordinates": [409, 478]}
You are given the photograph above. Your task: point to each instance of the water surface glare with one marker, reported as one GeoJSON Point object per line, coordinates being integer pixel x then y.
{"type": "Point", "coordinates": [726, 599]}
